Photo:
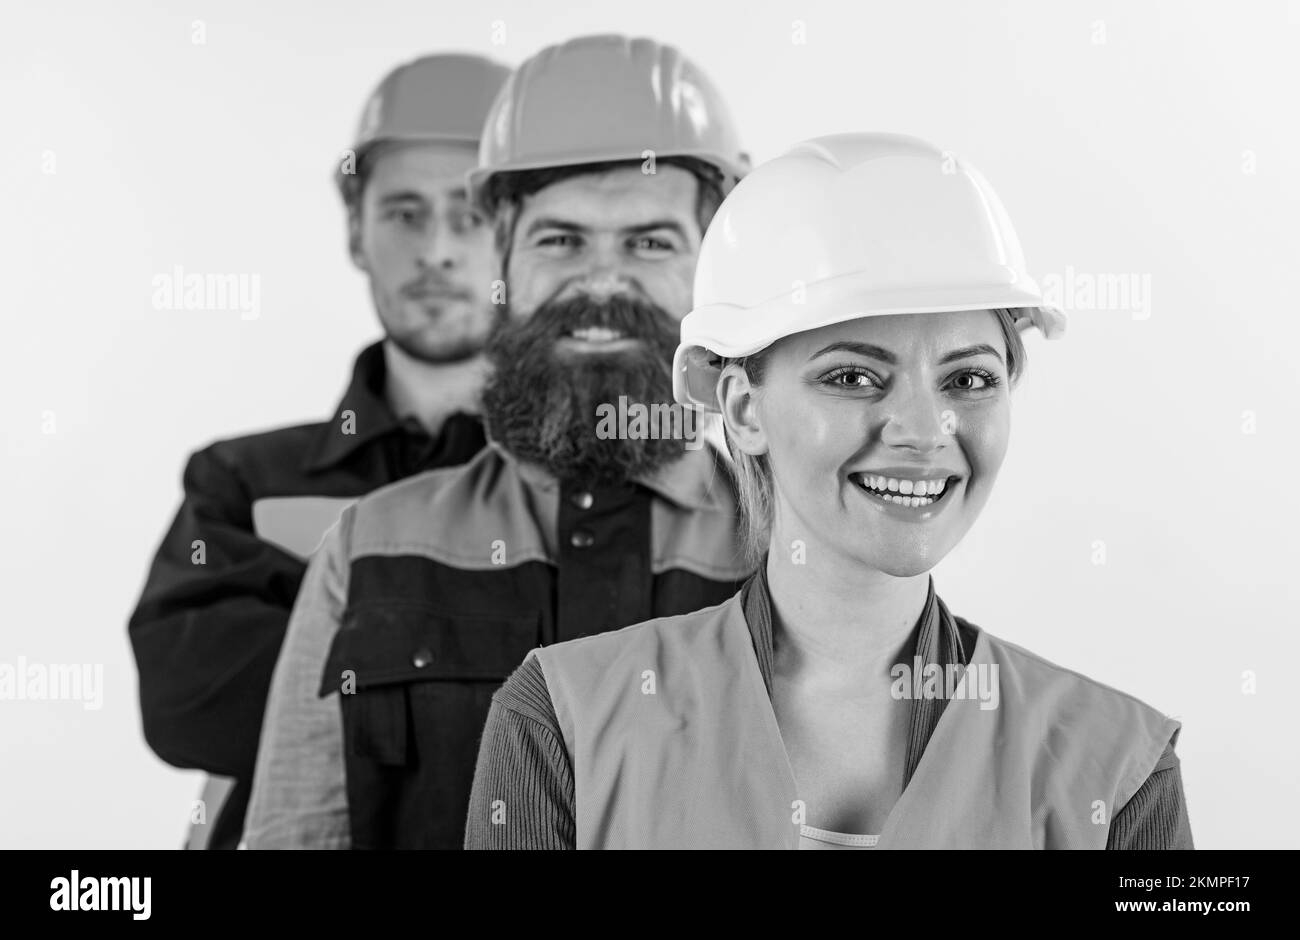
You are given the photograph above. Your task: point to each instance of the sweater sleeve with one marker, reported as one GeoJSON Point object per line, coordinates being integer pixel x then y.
{"type": "Point", "coordinates": [522, 796]}
{"type": "Point", "coordinates": [299, 798]}
{"type": "Point", "coordinates": [1156, 816]}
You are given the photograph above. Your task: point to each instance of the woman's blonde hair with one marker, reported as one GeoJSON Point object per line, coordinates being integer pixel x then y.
{"type": "Point", "coordinates": [754, 472]}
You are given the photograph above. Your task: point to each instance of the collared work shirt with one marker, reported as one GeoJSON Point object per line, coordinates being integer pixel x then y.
{"type": "Point", "coordinates": [425, 598]}
{"type": "Point", "coordinates": [213, 612]}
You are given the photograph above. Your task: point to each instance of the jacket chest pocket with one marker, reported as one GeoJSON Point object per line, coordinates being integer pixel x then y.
{"type": "Point", "coordinates": [398, 663]}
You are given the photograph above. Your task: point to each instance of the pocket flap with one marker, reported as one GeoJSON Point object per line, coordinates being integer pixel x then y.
{"type": "Point", "coordinates": [381, 643]}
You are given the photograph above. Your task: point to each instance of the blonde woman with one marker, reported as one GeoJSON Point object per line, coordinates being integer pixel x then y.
{"type": "Point", "coordinates": [858, 308]}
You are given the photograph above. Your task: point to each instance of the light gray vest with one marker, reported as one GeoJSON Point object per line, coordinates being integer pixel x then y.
{"type": "Point", "coordinates": [674, 744]}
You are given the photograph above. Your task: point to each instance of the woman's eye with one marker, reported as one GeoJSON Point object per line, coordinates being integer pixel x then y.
{"type": "Point", "coordinates": [557, 241]}
{"type": "Point", "coordinates": [850, 378]}
{"type": "Point", "coordinates": [974, 381]}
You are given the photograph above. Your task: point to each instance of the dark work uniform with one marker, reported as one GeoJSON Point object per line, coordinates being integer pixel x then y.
{"type": "Point", "coordinates": [212, 615]}
{"type": "Point", "coordinates": [427, 596]}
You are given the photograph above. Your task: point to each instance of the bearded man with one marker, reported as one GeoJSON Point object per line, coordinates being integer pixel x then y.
{"type": "Point", "coordinates": [602, 162]}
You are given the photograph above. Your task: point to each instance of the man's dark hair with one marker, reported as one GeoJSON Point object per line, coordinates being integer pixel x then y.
{"type": "Point", "coordinates": [353, 185]}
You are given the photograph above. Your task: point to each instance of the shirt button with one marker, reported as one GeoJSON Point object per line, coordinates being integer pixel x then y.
{"type": "Point", "coordinates": [582, 500]}
{"type": "Point", "coordinates": [423, 656]}
{"type": "Point", "coordinates": [581, 538]}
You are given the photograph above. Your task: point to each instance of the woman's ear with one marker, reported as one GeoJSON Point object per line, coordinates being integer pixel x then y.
{"type": "Point", "coordinates": [739, 399]}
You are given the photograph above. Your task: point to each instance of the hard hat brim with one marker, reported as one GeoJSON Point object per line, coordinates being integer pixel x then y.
{"type": "Point", "coordinates": [360, 151]}
{"type": "Point", "coordinates": [709, 332]}
{"type": "Point", "coordinates": [479, 179]}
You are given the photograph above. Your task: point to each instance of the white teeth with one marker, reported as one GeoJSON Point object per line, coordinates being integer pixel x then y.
{"type": "Point", "coordinates": [910, 493]}
{"type": "Point", "coordinates": [596, 334]}
{"type": "Point", "coordinates": [911, 502]}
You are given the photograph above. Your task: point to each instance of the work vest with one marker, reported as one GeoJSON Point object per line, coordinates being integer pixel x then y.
{"type": "Point", "coordinates": [674, 744]}
{"type": "Point", "coordinates": [455, 576]}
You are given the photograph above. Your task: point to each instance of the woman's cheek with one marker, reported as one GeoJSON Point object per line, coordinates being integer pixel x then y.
{"type": "Point", "coordinates": [809, 434]}
{"type": "Point", "coordinates": [984, 433]}
{"type": "Point", "coordinates": [808, 449]}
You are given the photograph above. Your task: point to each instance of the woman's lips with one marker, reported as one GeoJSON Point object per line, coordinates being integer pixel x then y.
{"type": "Point", "coordinates": [911, 493]}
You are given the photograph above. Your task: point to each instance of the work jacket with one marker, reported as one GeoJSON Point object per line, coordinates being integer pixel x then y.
{"type": "Point", "coordinates": [211, 618]}
{"type": "Point", "coordinates": [427, 596]}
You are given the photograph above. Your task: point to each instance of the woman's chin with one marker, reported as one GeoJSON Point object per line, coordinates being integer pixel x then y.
{"type": "Point", "coordinates": [907, 570]}
{"type": "Point", "coordinates": [901, 563]}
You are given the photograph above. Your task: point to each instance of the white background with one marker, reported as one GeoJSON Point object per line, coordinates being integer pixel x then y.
{"type": "Point", "coordinates": [1131, 155]}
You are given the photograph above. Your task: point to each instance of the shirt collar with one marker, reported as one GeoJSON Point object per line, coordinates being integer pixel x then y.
{"type": "Point", "coordinates": [370, 416]}
{"type": "Point", "coordinates": [936, 638]}
{"type": "Point", "coordinates": [689, 482]}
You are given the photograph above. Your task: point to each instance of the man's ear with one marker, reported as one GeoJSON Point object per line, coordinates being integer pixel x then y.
{"type": "Point", "coordinates": [504, 220]}
{"type": "Point", "coordinates": [354, 238]}
{"type": "Point", "coordinates": [739, 400]}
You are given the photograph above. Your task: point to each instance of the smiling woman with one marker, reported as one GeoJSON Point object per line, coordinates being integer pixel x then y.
{"type": "Point", "coordinates": [858, 308]}
{"type": "Point", "coordinates": [912, 493]}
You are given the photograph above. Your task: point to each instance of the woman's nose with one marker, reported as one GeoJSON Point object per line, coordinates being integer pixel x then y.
{"type": "Point", "coordinates": [917, 421]}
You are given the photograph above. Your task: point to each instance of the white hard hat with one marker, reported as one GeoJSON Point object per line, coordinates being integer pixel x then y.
{"type": "Point", "coordinates": [849, 226]}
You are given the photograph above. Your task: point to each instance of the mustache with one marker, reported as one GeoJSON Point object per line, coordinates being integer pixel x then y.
{"type": "Point", "coordinates": [433, 284]}
{"type": "Point", "coordinates": [631, 316]}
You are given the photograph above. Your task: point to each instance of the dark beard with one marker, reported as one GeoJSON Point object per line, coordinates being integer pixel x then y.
{"type": "Point", "coordinates": [542, 408]}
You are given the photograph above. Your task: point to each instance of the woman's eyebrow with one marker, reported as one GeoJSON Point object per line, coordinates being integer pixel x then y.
{"type": "Point", "coordinates": [967, 351]}
{"type": "Point", "coordinates": [862, 349]}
